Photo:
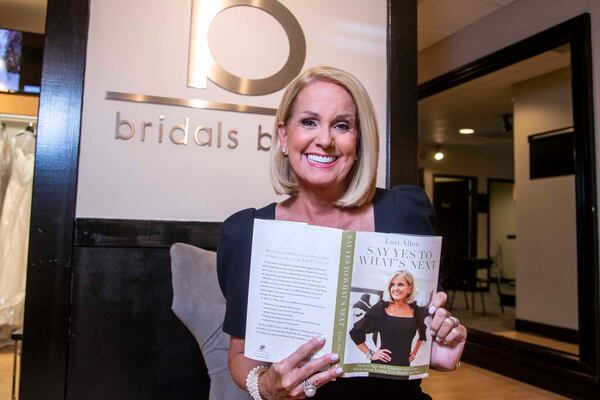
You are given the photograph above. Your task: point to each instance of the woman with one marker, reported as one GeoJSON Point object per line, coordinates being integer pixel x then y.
{"type": "Point", "coordinates": [325, 157]}
{"type": "Point", "coordinates": [397, 321]}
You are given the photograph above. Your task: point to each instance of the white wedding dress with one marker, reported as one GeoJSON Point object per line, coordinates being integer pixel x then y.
{"type": "Point", "coordinates": [14, 234]}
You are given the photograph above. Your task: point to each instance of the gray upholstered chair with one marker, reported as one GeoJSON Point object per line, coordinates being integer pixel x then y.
{"type": "Point", "coordinates": [200, 305]}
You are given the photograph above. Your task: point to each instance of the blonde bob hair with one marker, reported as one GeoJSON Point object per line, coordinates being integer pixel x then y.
{"type": "Point", "coordinates": [409, 278]}
{"type": "Point", "coordinates": [362, 176]}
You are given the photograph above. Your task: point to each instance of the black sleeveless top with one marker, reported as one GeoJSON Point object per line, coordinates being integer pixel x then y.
{"type": "Point", "coordinates": [404, 209]}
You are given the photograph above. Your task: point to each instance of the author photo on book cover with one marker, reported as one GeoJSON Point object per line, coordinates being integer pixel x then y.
{"type": "Point", "coordinates": [397, 320]}
{"type": "Point", "coordinates": [324, 158]}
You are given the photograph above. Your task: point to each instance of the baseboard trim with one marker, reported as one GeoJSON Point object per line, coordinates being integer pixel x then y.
{"type": "Point", "coordinates": [551, 331]}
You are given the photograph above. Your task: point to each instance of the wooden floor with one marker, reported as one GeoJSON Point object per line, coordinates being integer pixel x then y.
{"type": "Point", "coordinates": [470, 383]}
{"type": "Point", "coordinates": [466, 383]}
{"type": "Point", "coordinates": [6, 371]}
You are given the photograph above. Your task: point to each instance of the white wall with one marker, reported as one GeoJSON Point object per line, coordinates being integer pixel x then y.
{"type": "Point", "coordinates": [546, 253]}
{"type": "Point", "coordinates": [503, 223]}
{"type": "Point", "coordinates": [141, 46]}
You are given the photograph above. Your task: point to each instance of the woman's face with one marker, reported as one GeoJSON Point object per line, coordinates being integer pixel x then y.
{"type": "Point", "coordinates": [400, 288]}
{"type": "Point", "coordinates": [321, 137]}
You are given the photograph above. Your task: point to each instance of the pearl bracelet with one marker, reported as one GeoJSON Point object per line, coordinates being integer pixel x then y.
{"type": "Point", "coordinates": [252, 381]}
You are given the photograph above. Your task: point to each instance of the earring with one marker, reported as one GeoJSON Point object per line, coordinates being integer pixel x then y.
{"type": "Point", "coordinates": [284, 150]}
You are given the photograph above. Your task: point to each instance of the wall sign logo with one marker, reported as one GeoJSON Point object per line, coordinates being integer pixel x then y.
{"type": "Point", "coordinates": [202, 66]}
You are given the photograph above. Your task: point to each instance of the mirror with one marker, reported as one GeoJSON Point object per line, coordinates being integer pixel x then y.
{"type": "Point", "coordinates": [516, 201]}
{"type": "Point", "coordinates": [500, 191]}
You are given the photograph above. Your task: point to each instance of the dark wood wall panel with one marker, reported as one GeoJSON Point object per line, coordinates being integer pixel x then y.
{"type": "Point", "coordinates": [96, 232]}
{"type": "Point", "coordinates": [126, 343]}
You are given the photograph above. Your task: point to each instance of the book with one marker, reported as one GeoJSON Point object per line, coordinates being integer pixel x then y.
{"type": "Point", "coordinates": [307, 281]}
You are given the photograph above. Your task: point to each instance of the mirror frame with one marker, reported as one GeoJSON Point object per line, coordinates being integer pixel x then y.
{"type": "Point", "coordinates": [541, 366]}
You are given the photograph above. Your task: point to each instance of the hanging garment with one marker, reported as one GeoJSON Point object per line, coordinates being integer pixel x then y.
{"type": "Point", "coordinates": [14, 233]}
{"type": "Point", "coordinates": [5, 162]}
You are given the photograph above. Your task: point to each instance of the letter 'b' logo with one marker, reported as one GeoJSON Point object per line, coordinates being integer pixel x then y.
{"type": "Point", "coordinates": [202, 66]}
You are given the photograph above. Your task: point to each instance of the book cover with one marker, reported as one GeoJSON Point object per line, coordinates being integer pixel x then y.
{"type": "Point", "coordinates": [366, 292]}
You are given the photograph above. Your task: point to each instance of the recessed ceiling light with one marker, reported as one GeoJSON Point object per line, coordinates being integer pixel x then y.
{"type": "Point", "coordinates": [438, 155]}
{"type": "Point", "coordinates": [466, 131]}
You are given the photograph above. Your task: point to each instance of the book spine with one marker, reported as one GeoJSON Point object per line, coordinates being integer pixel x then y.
{"type": "Point", "coordinates": [343, 293]}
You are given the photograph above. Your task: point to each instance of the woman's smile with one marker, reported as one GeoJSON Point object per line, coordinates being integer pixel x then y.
{"type": "Point", "coordinates": [321, 161]}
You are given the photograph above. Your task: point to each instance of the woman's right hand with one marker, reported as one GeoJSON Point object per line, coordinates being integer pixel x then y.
{"type": "Point", "coordinates": [285, 379]}
{"type": "Point", "coordinates": [382, 355]}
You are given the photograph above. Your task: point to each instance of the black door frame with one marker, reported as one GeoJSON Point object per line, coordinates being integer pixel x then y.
{"type": "Point", "coordinates": [49, 271]}
{"type": "Point", "coordinates": [47, 301]}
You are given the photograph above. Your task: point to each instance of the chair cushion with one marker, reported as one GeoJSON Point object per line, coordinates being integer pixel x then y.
{"type": "Point", "coordinates": [200, 305]}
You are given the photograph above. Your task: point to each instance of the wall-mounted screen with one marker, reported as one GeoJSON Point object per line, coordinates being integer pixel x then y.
{"type": "Point", "coordinates": [552, 154]}
{"type": "Point", "coordinates": [21, 55]}
{"type": "Point", "coordinates": [11, 46]}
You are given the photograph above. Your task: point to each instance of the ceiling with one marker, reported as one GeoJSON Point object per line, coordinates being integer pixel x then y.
{"type": "Point", "coordinates": [480, 104]}
{"type": "Point", "coordinates": [23, 15]}
{"type": "Point", "coordinates": [438, 19]}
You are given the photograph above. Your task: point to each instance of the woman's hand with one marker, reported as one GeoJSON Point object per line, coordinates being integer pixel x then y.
{"type": "Point", "coordinates": [413, 354]}
{"type": "Point", "coordinates": [379, 354]}
{"type": "Point", "coordinates": [448, 334]}
{"type": "Point", "coordinates": [382, 355]}
{"type": "Point", "coordinates": [285, 379]}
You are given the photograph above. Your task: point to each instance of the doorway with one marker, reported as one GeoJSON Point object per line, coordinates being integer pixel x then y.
{"type": "Point", "coordinates": [454, 204]}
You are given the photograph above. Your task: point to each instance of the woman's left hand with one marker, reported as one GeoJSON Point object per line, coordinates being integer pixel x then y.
{"type": "Point", "coordinates": [412, 356]}
{"type": "Point", "coordinates": [448, 333]}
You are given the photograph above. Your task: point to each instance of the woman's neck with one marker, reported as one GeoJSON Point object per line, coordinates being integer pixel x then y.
{"type": "Point", "coordinates": [398, 308]}
{"type": "Point", "coordinates": [322, 211]}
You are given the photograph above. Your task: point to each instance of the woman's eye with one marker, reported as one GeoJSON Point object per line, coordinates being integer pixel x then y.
{"type": "Point", "coordinates": [309, 123]}
{"type": "Point", "coordinates": [342, 126]}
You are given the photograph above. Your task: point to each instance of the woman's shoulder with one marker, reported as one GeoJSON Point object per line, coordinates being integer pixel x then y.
{"type": "Point", "coordinates": [422, 311]}
{"type": "Point", "coordinates": [403, 194]}
{"type": "Point", "coordinates": [411, 207]}
{"type": "Point", "coordinates": [241, 221]}
{"type": "Point", "coordinates": [379, 307]}
{"type": "Point", "coordinates": [240, 217]}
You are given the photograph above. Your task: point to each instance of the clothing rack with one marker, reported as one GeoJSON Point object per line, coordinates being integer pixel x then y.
{"type": "Point", "coordinates": [18, 118]}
